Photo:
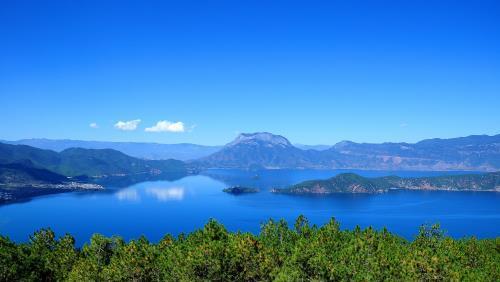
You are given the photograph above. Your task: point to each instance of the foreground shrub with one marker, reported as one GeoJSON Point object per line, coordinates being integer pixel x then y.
{"type": "Point", "coordinates": [278, 253]}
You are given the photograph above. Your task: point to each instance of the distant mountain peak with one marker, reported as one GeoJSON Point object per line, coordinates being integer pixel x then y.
{"type": "Point", "coordinates": [343, 144]}
{"type": "Point", "coordinates": [259, 138]}
{"type": "Point", "coordinates": [257, 150]}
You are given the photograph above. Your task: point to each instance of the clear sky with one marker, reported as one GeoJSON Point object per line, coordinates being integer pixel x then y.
{"type": "Point", "coordinates": [316, 72]}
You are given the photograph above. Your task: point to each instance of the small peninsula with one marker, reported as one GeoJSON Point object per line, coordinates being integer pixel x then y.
{"type": "Point", "coordinates": [23, 180]}
{"type": "Point", "coordinates": [353, 183]}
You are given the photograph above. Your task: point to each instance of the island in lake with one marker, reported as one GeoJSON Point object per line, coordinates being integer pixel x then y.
{"type": "Point", "coordinates": [237, 190]}
{"type": "Point", "coordinates": [353, 183]}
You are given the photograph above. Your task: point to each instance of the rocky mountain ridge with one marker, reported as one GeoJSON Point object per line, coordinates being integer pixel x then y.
{"type": "Point", "coordinates": [265, 150]}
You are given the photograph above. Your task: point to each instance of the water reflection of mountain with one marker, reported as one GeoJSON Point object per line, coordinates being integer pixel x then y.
{"type": "Point", "coordinates": [232, 178]}
{"type": "Point", "coordinates": [125, 181]}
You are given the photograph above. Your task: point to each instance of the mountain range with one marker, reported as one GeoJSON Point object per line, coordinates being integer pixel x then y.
{"type": "Point", "coordinates": [151, 151]}
{"type": "Point", "coordinates": [27, 171]}
{"type": "Point", "coordinates": [141, 150]}
{"type": "Point", "coordinates": [266, 150]}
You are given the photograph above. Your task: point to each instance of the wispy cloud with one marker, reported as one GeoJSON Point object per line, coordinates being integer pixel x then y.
{"type": "Point", "coordinates": [93, 125]}
{"type": "Point", "coordinates": [403, 124]}
{"type": "Point", "coordinates": [191, 128]}
{"type": "Point", "coordinates": [166, 126]}
{"type": "Point", "coordinates": [127, 125]}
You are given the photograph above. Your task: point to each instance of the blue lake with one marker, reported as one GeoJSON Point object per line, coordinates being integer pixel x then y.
{"type": "Point", "coordinates": [156, 208]}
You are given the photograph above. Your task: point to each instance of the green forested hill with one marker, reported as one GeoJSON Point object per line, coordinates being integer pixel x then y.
{"type": "Point", "coordinates": [92, 162]}
{"type": "Point", "coordinates": [19, 153]}
{"type": "Point", "coordinates": [342, 183]}
{"type": "Point", "coordinates": [151, 151]}
{"type": "Point", "coordinates": [353, 183]}
{"type": "Point", "coordinates": [27, 174]}
{"type": "Point", "coordinates": [77, 161]}
{"type": "Point", "coordinates": [278, 253]}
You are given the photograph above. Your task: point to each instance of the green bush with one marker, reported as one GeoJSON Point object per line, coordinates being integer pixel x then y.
{"type": "Point", "coordinates": [278, 253]}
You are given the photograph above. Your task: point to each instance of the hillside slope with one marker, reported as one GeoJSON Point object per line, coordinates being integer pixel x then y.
{"type": "Point", "coordinates": [151, 151]}
{"type": "Point", "coordinates": [266, 150]}
{"type": "Point", "coordinates": [353, 183]}
{"type": "Point", "coordinates": [91, 162]}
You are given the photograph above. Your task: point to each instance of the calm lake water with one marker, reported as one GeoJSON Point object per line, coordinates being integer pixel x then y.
{"type": "Point", "coordinates": [156, 208]}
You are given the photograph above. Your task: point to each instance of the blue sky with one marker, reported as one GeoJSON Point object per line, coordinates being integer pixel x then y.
{"type": "Point", "coordinates": [317, 72]}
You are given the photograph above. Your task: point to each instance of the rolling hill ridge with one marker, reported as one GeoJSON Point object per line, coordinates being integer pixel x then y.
{"type": "Point", "coordinates": [90, 162]}
{"type": "Point", "coordinates": [353, 183]}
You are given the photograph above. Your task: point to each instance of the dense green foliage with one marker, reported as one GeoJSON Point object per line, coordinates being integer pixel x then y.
{"type": "Point", "coordinates": [342, 183]}
{"type": "Point", "coordinates": [91, 162]}
{"type": "Point", "coordinates": [278, 253]}
{"type": "Point", "coordinates": [353, 183]}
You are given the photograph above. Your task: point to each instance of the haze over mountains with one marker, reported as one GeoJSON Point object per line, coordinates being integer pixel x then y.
{"type": "Point", "coordinates": [152, 151]}
{"type": "Point", "coordinates": [142, 150]}
{"type": "Point", "coordinates": [266, 150]}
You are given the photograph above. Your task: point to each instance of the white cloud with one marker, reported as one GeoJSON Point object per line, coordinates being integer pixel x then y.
{"type": "Point", "coordinates": [127, 125]}
{"type": "Point", "coordinates": [93, 125]}
{"type": "Point", "coordinates": [166, 126]}
{"type": "Point", "coordinates": [404, 124]}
